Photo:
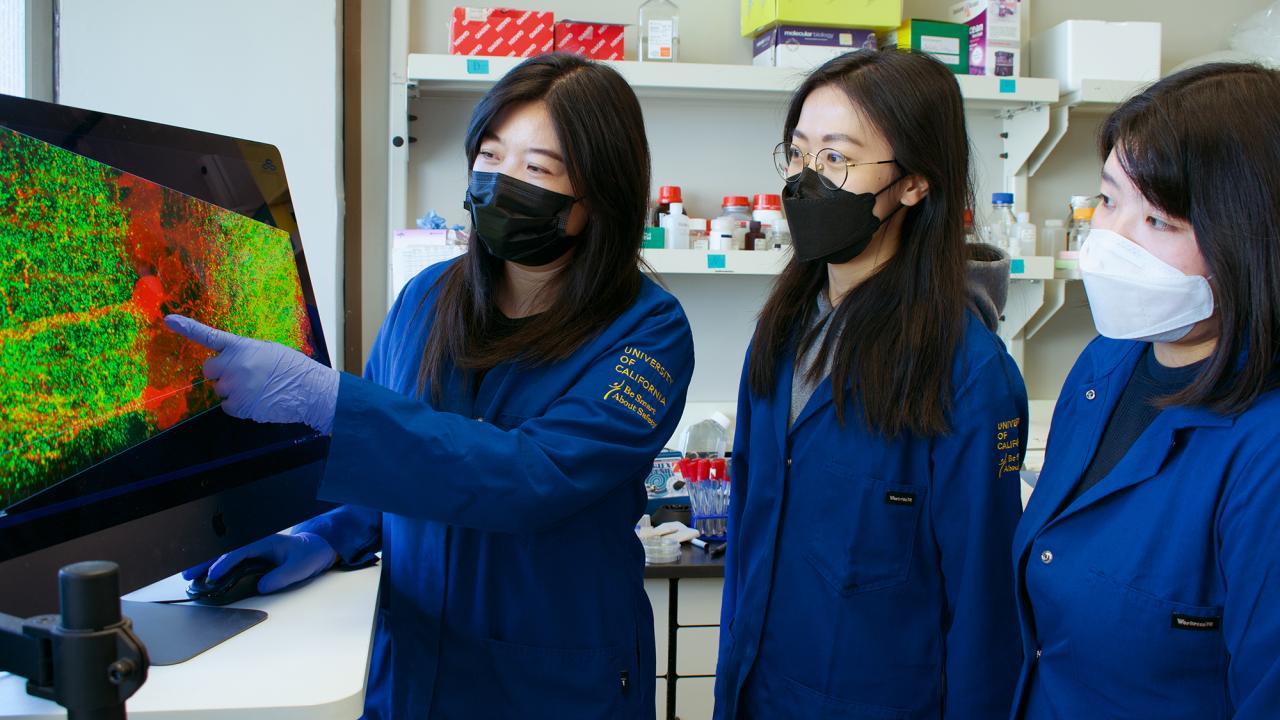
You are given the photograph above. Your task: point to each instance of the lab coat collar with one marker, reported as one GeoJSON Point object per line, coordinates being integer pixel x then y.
{"type": "Point", "coordinates": [782, 401]}
{"type": "Point", "coordinates": [1092, 402]}
{"type": "Point", "coordinates": [821, 398]}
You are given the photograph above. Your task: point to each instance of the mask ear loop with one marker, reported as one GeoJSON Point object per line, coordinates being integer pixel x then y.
{"type": "Point", "coordinates": [885, 189]}
{"type": "Point", "coordinates": [563, 223]}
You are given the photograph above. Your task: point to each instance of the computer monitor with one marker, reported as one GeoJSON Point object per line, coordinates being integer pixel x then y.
{"type": "Point", "coordinates": [112, 446]}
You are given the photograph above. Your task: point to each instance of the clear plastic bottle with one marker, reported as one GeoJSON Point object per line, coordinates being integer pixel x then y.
{"type": "Point", "coordinates": [706, 438]}
{"type": "Point", "coordinates": [1023, 240]}
{"type": "Point", "coordinates": [699, 232]}
{"type": "Point", "coordinates": [1081, 223]}
{"type": "Point", "coordinates": [1055, 236]}
{"type": "Point", "coordinates": [1001, 222]}
{"type": "Point", "coordinates": [659, 31]}
{"type": "Point", "coordinates": [780, 238]}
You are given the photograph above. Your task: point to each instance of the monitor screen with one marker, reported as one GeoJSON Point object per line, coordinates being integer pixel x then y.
{"type": "Point", "coordinates": [93, 258]}
{"type": "Point", "coordinates": [107, 224]}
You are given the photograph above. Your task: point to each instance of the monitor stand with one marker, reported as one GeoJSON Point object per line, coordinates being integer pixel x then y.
{"type": "Point", "coordinates": [174, 634]}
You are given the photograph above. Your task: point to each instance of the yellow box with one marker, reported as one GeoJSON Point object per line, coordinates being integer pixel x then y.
{"type": "Point", "coordinates": [759, 15]}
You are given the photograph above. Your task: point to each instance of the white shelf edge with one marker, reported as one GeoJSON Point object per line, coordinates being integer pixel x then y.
{"type": "Point", "coordinates": [716, 262]}
{"type": "Point", "coordinates": [1102, 95]}
{"type": "Point", "coordinates": [771, 262]}
{"type": "Point", "coordinates": [460, 73]}
{"type": "Point", "coordinates": [1033, 267]}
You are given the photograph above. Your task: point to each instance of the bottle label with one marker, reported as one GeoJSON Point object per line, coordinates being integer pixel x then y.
{"type": "Point", "coordinates": [661, 34]}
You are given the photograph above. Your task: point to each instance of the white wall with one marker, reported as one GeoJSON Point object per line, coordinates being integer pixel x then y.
{"type": "Point", "coordinates": [266, 70]}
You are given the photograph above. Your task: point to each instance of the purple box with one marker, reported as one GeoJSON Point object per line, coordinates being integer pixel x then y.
{"type": "Point", "coordinates": [798, 46]}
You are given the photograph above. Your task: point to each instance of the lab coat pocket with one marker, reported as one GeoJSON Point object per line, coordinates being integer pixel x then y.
{"type": "Point", "coordinates": [862, 534]}
{"type": "Point", "coordinates": [1176, 648]}
{"type": "Point", "coordinates": [791, 698]}
{"type": "Point", "coordinates": [564, 682]}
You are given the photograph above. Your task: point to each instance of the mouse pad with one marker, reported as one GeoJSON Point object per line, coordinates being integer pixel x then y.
{"type": "Point", "coordinates": [174, 634]}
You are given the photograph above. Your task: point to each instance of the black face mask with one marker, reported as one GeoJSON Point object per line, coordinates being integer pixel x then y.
{"type": "Point", "coordinates": [518, 221]}
{"type": "Point", "coordinates": [831, 226]}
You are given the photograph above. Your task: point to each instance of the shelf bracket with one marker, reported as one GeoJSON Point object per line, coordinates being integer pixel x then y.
{"type": "Point", "coordinates": [1055, 298]}
{"type": "Point", "coordinates": [1023, 131]}
{"type": "Point", "coordinates": [1059, 120]}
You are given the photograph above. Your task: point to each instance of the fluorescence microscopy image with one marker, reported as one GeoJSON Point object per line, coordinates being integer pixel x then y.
{"type": "Point", "coordinates": [91, 260]}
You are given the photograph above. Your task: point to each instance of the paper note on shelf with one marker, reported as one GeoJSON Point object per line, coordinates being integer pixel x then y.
{"type": "Point", "coordinates": [414, 250]}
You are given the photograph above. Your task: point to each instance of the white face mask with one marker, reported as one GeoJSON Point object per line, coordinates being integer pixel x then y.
{"type": "Point", "coordinates": [1135, 295]}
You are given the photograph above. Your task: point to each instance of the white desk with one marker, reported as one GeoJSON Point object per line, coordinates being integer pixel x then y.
{"type": "Point", "coordinates": [308, 659]}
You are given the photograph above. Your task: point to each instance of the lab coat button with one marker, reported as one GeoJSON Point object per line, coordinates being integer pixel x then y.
{"type": "Point", "coordinates": [1039, 652]}
{"type": "Point", "coordinates": [1046, 557]}
{"type": "Point", "coordinates": [1090, 394]}
{"type": "Point", "coordinates": [788, 462]}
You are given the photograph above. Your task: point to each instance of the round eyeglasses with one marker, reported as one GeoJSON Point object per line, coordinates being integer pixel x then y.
{"type": "Point", "coordinates": [832, 166]}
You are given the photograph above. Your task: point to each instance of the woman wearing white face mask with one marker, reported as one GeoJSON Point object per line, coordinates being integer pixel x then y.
{"type": "Point", "coordinates": [1148, 561]}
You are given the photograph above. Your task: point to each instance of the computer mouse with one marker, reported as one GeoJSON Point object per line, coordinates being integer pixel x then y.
{"type": "Point", "coordinates": [238, 583]}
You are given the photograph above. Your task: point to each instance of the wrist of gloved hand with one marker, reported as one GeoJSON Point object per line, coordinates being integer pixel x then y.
{"type": "Point", "coordinates": [322, 384]}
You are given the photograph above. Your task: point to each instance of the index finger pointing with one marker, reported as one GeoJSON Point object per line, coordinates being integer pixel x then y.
{"type": "Point", "coordinates": [197, 332]}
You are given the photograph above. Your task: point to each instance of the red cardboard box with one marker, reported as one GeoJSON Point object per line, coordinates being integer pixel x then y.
{"type": "Point", "coordinates": [501, 32]}
{"type": "Point", "coordinates": [598, 41]}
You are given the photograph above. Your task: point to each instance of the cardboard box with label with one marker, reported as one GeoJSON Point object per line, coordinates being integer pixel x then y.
{"type": "Point", "coordinates": [995, 35]}
{"type": "Point", "coordinates": [805, 48]}
{"type": "Point", "coordinates": [598, 41]}
{"type": "Point", "coordinates": [761, 15]}
{"type": "Point", "coordinates": [948, 42]}
{"type": "Point", "coordinates": [501, 32]}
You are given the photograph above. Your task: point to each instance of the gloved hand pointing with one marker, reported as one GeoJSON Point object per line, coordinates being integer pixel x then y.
{"type": "Point", "coordinates": [264, 381]}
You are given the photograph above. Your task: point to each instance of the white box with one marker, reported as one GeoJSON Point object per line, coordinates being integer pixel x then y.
{"type": "Point", "coordinates": [1078, 50]}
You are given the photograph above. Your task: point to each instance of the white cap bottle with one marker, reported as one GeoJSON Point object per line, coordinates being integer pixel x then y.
{"type": "Point", "coordinates": [677, 227]}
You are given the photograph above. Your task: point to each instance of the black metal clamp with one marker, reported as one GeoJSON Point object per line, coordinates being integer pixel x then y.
{"type": "Point", "coordinates": [87, 658]}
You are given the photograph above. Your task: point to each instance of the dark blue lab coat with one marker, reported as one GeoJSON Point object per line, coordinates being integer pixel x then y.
{"type": "Point", "coordinates": [868, 577]}
{"type": "Point", "coordinates": [512, 579]}
{"type": "Point", "coordinates": [1156, 593]}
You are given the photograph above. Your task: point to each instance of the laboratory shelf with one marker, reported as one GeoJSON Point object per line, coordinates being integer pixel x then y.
{"type": "Point", "coordinates": [1031, 267]}
{"type": "Point", "coordinates": [771, 262]}
{"type": "Point", "coordinates": [437, 73]}
{"type": "Point", "coordinates": [1100, 96]}
{"type": "Point", "coordinates": [716, 262]}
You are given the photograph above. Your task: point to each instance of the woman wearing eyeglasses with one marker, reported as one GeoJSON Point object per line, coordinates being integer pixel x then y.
{"type": "Point", "coordinates": [880, 425]}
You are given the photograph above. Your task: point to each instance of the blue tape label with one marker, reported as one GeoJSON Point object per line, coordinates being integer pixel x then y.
{"type": "Point", "coordinates": [1017, 266]}
{"type": "Point", "coordinates": [1008, 85]}
{"type": "Point", "coordinates": [477, 67]}
{"type": "Point", "coordinates": [715, 262]}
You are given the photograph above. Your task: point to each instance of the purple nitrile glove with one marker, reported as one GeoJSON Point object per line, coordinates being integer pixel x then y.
{"type": "Point", "coordinates": [264, 381]}
{"type": "Point", "coordinates": [297, 557]}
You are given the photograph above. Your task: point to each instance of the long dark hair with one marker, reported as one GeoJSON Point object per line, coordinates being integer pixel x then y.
{"type": "Point", "coordinates": [601, 131]}
{"type": "Point", "coordinates": [1204, 146]}
{"type": "Point", "coordinates": [894, 337]}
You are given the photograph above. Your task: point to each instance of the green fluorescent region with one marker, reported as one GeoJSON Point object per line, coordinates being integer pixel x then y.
{"type": "Point", "coordinates": [69, 340]}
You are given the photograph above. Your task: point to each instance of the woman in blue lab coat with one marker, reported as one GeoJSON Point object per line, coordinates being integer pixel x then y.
{"type": "Point", "coordinates": [496, 448]}
{"type": "Point", "coordinates": [875, 467]}
{"type": "Point", "coordinates": [1148, 561]}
